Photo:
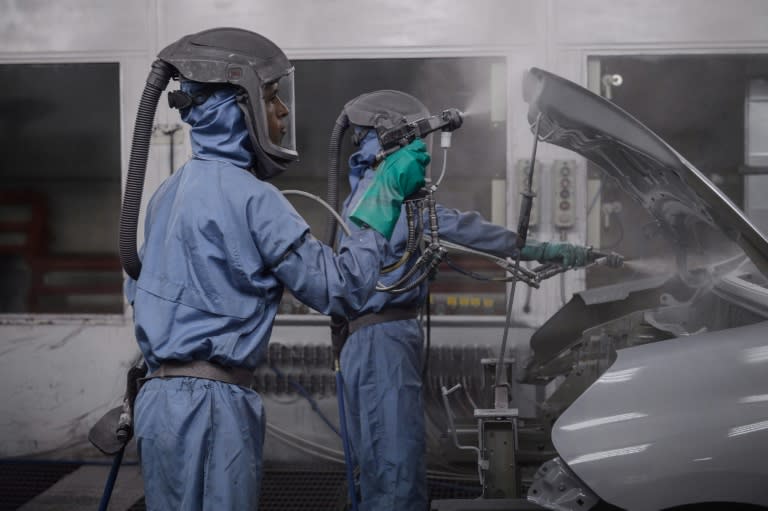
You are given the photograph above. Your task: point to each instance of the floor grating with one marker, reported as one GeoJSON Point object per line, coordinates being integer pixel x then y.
{"type": "Point", "coordinates": [21, 481]}
{"type": "Point", "coordinates": [305, 490]}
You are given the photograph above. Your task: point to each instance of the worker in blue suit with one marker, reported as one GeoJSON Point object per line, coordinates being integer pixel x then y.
{"type": "Point", "coordinates": [221, 244]}
{"type": "Point", "coordinates": [381, 359]}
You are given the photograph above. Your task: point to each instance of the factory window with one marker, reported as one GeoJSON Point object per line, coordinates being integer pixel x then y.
{"type": "Point", "coordinates": [476, 165]}
{"type": "Point", "coordinates": [59, 188]}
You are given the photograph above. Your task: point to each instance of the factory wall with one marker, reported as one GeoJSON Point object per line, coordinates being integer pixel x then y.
{"type": "Point", "coordinates": [58, 374]}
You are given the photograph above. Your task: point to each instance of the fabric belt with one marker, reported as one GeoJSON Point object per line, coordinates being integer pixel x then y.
{"type": "Point", "coordinates": [392, 314]}
{"type": "Point", "coordinates": [206, 370]}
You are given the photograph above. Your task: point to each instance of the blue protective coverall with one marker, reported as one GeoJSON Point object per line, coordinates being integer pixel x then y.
{"type": "Point", "coordinates": [382, 363]}
{"type": "Point", "coordinates": [220, 245]}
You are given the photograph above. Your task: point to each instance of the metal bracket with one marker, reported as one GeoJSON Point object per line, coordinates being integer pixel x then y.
{"type": "Point", "coordinates": [555, 486]}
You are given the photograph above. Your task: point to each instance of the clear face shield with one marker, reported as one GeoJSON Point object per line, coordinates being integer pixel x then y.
{"type": "Point", "coordinates": [278, 111]}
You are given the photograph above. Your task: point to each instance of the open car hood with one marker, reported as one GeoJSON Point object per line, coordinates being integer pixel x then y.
{"type": "Point", "coordinates": [691, 212]}
{"type": "Point", "coordinates": [685, 203]}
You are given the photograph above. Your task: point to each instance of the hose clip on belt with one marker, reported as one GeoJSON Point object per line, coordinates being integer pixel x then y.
{"type": "Point", "coordinates": [339, 335]}
{"type": "Point", "coordinates": [205, 370]}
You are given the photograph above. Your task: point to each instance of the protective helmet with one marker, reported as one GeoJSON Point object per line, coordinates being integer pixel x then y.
{"type": "Point", "coordinates": [260, 70]}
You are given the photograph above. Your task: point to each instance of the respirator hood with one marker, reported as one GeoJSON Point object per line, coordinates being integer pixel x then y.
{"type": "Point", "coordinates": [250, 62]}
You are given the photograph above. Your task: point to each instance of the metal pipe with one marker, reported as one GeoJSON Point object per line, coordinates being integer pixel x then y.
{"type": "Point", "coordinates": [501, 397]}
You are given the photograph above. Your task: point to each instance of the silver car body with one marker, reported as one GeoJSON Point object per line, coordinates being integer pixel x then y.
{"type": "Point", "coordinates": [675, 422]}
{"type": "Point", "coordinates": [663, 395]}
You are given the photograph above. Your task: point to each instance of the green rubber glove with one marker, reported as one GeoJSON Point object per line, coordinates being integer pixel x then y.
{"type": "Point", "coordinates": [566, 254]}
{"type": "Point", "coordinates": [400, 175]}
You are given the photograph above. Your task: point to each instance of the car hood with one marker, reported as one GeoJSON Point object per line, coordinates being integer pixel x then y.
{"type": "Point", "coordinates": [687, 206]}
{"type": "Point", "coordinates": [691, 212]}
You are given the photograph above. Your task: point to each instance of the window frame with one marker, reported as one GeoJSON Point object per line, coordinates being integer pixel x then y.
{"type": "Point", "coordinates": [126, 63]}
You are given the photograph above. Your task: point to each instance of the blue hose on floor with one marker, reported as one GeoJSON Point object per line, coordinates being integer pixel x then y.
{"type": "Point", "coordinates": [116, 461]}
{"type": "Point", "coordinates": [345, 437]}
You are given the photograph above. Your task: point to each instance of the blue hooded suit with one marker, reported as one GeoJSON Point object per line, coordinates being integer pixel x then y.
{"type": "Point", "coordinates": [382, 362]}
{"type": "Point", "coordinates": [220, 246]}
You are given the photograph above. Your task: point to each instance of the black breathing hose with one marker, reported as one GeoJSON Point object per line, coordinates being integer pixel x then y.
{"type": "Point", "coordinates": [157, 81]}
{"type": "Point", "coordinates": [334, 154]}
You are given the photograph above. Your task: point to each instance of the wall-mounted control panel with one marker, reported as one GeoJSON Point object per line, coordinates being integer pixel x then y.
{"type": "Point", "coordinates": [563, 187]}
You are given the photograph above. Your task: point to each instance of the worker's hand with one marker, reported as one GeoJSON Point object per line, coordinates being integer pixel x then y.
{"type": "Point", "coordinates": [400, 175]}
{"type": "Point", "coordinates": [566, 254]}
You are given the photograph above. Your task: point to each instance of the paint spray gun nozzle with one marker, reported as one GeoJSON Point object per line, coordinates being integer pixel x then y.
{"type": "Point", "coordinates": [452, 118]}
{"type": "Point", "coordinates": [609, 259]}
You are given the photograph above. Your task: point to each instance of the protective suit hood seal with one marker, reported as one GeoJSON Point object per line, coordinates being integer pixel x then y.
{"type": "Point", "coordinates": [219, 129]}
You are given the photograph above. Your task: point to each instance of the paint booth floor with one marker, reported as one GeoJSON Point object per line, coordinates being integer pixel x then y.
{"type": "Point", "coordinates": [35, 486]}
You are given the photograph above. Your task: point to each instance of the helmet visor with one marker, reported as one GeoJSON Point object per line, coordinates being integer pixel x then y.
{"type": "Point", "coordinates": [278, 98]}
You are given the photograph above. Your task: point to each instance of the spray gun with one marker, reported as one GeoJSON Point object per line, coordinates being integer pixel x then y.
{"type": "Point", "coordinates": [398, 119]}
{"type": "Point", "coordinates": [594, 258]}
{"type": "Point", "coordinates": [393, 138]}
